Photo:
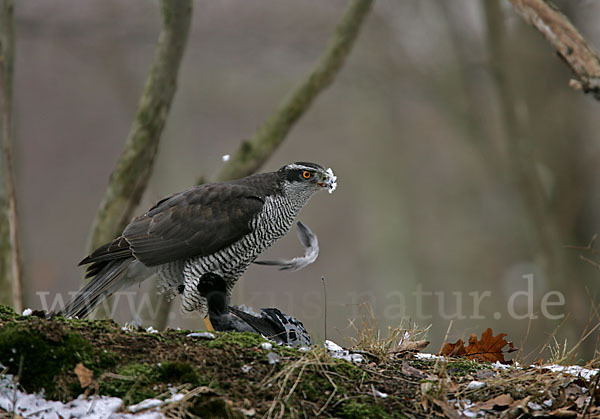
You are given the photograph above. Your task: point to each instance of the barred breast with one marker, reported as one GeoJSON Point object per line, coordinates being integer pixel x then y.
{"type": "Point", "coordinates": [273, 222]}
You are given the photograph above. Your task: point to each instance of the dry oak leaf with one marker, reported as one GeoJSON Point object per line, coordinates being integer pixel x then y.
{"type": "Point", "coordinates": [84, 375]}
{"type": "Point", "coordinates": [454, 349]}
{"type": "Point", "coordinates": [500, 402]}
{"type": "Point", "coordinates": [449, 412]}
{"type": "Point", "coordinates": [489, 348]}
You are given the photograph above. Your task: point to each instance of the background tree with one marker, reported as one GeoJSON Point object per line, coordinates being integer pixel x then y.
{"type": "Point", "coordinates": [129, 179]}
{"type": "Point", "coordinates": [10, 253]}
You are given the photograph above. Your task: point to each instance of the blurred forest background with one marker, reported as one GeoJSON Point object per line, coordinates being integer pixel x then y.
{"type": "Point", "coordinates": [414, 126]}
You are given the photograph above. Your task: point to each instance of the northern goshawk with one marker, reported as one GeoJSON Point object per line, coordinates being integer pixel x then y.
{"type": "Point", "coordinates": [271, 322]}
{"type": "Point", "coordinates": [217, 227]}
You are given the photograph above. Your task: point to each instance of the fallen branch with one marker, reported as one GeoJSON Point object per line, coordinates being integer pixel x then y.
{"type": "Point", "coordinates": [566, 40]}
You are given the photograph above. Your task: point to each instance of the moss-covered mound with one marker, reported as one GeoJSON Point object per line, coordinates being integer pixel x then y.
{"type": "Point", "coordinates": [232, 376]}
{"type": "Point", "coordinates": [232, 371]}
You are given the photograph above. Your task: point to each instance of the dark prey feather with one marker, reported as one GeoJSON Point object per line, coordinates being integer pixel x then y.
{"type": "Point", "coordinates": [263, 325]}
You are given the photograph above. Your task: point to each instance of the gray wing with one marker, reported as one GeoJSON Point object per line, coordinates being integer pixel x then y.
{"type": "Point", "coordinates": [196, 222]}
{"type": "Point", "coordinates": [311, 251]}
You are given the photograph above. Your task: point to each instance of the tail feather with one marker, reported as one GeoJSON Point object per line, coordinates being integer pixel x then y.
{"type": "Point", "coordinates": [262, 325]}
{"type": "Point", "coordinates": [107, 281]}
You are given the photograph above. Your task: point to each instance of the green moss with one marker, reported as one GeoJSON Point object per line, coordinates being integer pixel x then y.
{"type": "Point", "coordinates": [46, 355]}
{"type": "Point", "coordinates": [244, 340]}
{"type": "Point", "coordinates": [177, 372]}
{"type": "Point", "coordinates": [314, 386]}
{"type": "Point", "coordinates": [347, 369]}
{"type": "Point", "coordinates": [137, 381]}
{"type": "Point", "coordinates": [7, 313]}
{"type": "Point", "coordinates": [462, 367]}
{"type": "Point", "coordinates": [353, 409]}
{"type": "Point", "coordinates": [98, 325]}
{"type": "Point", "coordinates": [213, 408]}
{"type": "Point", "coordinates": [132, 382]}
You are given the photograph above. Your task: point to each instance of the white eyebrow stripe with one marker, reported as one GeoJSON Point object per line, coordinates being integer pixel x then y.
{"type": "Point", "coordinates": [300, 167]}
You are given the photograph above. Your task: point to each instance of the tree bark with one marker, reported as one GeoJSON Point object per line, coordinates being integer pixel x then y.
{"type": "Point", "coordinates": [129, 179]}
{"type": "Point", "coordinates": [566, 40]}
{"type": "Point", "coordinates": [10, 257]}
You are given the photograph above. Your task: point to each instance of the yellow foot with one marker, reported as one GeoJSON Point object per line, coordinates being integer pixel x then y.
{"type": "Point", "coordinates": [208, 325]}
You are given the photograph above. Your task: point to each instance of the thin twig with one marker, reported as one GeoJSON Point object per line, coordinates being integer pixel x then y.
{"type": "Point", "coordinates": [590, 247]}
{"type": "Point", "coordinates": [325, 307]}
{"type": "Point", "coordinates": [590, 261]}
{"type": "Point", "coordinates": [446, 335]}
{"type": "Point", "coordinates": [593, 251]}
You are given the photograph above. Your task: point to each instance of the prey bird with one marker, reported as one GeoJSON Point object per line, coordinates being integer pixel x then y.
{"type": "Point", "coordinates": [271, 323]}
{"type": "Point", "coordinates": [215, 228]}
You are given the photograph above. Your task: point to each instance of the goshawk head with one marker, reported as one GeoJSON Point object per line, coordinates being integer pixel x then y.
{"type": "Point", "coordinates": [304, 179]}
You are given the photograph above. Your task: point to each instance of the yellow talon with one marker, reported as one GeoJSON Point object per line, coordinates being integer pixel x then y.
{"type": "Point", "coordinates": [208, 325]}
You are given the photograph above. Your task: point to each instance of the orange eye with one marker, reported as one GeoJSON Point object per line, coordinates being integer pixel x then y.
{"type": "Point", "coordinates": [306, 174]}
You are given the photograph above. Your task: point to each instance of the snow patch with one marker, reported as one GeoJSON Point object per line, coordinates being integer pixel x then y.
{"type": "Point", "coordinates": [336, 351]}
{"type": "Point", "coordinates": [201, 335]}
{"type": "Point", "coordinates": [474, 385]}
{"type": "Point", "coordinates": [267, 346]}
{"type": "Point", "coordinates": [380, 393]}
{"type": "Point", "coordinates": [145, 404]}
{"type": "Point", "coordinates": [423, 355]}
{"type": "Point", "coordinates": [99, 407]}
{"type": "Point", "coordinates": [577, 371]}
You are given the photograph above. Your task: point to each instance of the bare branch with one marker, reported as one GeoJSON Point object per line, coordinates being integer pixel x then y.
{"type": "Point", "coordinates": [130, 177]}
{"type": "Point", "coordinates": [251, 154]}
{"type": "Point", "coordinates": [7, 43]}
{"type": "Point", "coordinates": [566, 40]}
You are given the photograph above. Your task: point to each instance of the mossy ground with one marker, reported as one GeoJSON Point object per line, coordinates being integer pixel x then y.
{"type": "Point", "coordinates": [230, 376]}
